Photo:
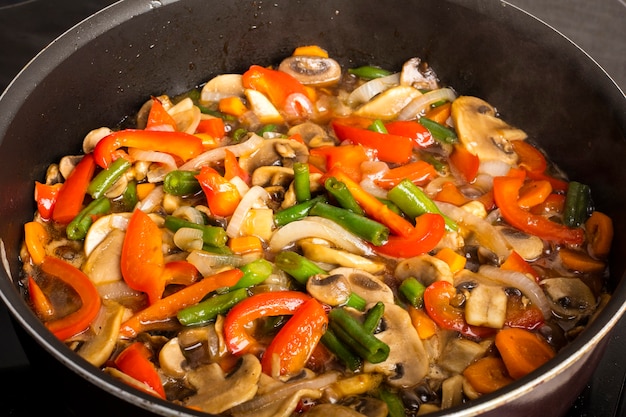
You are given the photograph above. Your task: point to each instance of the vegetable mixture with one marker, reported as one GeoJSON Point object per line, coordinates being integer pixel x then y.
{"type": "Point", "coordinates": [310, 239]}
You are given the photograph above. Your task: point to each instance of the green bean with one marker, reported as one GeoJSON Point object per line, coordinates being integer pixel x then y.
{"type": "Point", "coordinates": [129, 197]}
{"type": "Point", "coordinates": [254, 273]}
{"type": "Point", "coordinates": [378, 126]}
{"type": "Point", "coordinates": [181, 183]}
{"type": "Point", "coordinates": [101, 183]}
{"type": "Point", "coordinates": [211, 235]}
{"type": "Point", "coordinates": [239, 134]}
{"type": "Point", "coordinates": [296, 212]}
{"type": "Point", "coordinates": [390, 205]}
{"type": "Point", "coordinates": [330, 340]}
{"type": "Point", "coordinates": [209, 309]}
{"type": "Point", "coordinates": [395, 407]}
{"type": "Point", "coordinates": [79, 226]}
{"type": "Point", "coordinates": [269, 128]}
{"type": "Point", "coordinates": [361, 226]}
{"type": "Point", "coordinates": [344, 197]}
{"type": "Point", "coordinates": [414, 202]}
{"type": "Point", "coordinates": [356, 301]}
{"type": "Point", "coordinates": [301, 182]}
{"type": "Point", "coordinates": [350, 331]}
{"type": "Point", "coordinates": [373, 317]}
{"type": "Point", "coordinates": [369, 72]}
{"type": "Point", "coordinates": [413, 291]}
{"type": "Point", "coordinates": [577, 204]}
{"type": "Point", "coordinates": [440, 132]}
{"type": "Point", "coordinates": [296, 265]}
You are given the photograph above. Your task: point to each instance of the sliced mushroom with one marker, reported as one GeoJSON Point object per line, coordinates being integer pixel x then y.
{"type": "Point", "coordinates": [417, 74]}
{"type": "Point", "coordinates": [529, 247]}
{"type": "Point", "coordinates": [103, 263]}
{"type": "Point", "coordinates": [482, 132]}
{"type": "Point", "coordinates": [452, 391]}
{"type": "Point", "coordinates": [92, 138]}
{"type": "Point", "coordinates": [282, 152]}
{"type": "Point", "coordinates": [218, 392]}
{"type": "Point", "coordinates": [366, 285]}
{"type": "Point", "coordinates": [569, 297]}
{"type": "Point", "coordinates": [266, 176]}
{"type": "Point", "coordinates": [100, 229]}
{"type": "Point", "coordinates": [486, 306]}
{"type": "Point", "coordinates": [224, 85]}
{"type": "Point", "coordinates": [425, 268]}
{"type": "Point", "coordinates": [459, 353]}
{"type": "Point", "coordinates": [333, 289]}
{"type": "Point", "coordinates": [172, 360]}
{"type": "Point", "coordinates": [68, 163]}
{"type": "Point", "coordinates": [325, 254]}
{"type": "Point", "coordinates": [98, 349]}
{"type": "Point", "coordinates": [312, 134]}
{"type": "Point", "coordinates": [389, 103]}
{"type": "Point", "coordinates": [407, 363]}
{"type": "Point", "coordinates": [314, 71]}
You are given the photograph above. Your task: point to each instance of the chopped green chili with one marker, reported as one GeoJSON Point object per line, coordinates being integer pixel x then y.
{"type": "Point", "coordinates": [414, 202]}
{"type": "Point", "coordinates": [577, 204]}
{"type": "Point", "coordinates": [77, 229]}
{"type": "Point", "coordinates": [181, 183]}
{"type": "Point", "coordinates": [301, 182]}
{"type": "Point", "coordinates": [211, 235]}
{"type": "Point", "coordinates": [101, 183]}
{"type": "Point", "coordinates": [361, 226]}
{"type": "Point", "coordinates": [209, 309]}
{"type": "Point", "coordinates": [440, 132]}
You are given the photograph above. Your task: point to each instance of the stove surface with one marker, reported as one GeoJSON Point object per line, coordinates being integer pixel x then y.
{"type": "Point", "coordinates": [27, 26]}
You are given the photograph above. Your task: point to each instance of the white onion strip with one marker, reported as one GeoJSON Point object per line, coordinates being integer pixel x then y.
{"type": "Point", "coordinates": [319, 227]}
{"type": "Point", "coordinates": [218, 154]}
{"type": "Point", "coordinates": [255, 195]}
{"type": "Point", "coordinates": [521, 281]}
{"type": "Point", "coordinates": [486, 234]}
{"type": "Point", "coordinates": [367, 91]}
{"type": "Point", "coordinates": [421, 103]}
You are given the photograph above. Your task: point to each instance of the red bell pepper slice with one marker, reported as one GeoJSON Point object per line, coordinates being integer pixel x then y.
{"type": "Point", "coordinates": [79, 320]}
{"type": "Point", "coordinates": [158, 116]}
{"type": "Point", "coordinates": [46, 197]}
{"type": "Point", "coordinates": [514, 262]}
{"type": "Point", "coordinates": [437, 298]}
{"type": "Point", "coordinates": [428, 231]}
{"type": "Point", "coordinates": [142, 261]}
{"type": "Point", "coordinates": [293, 345]}
{"type": "Point", "coordinates": [419, 173]}
{"type": "Point", "coordinates": [419, 135]}
{"type": "Point", "coordinates": [278, 303]}
{"type": "Point", "coordinates": [389, 148]}
{"type": "Point", "coordinates": [70, 198]}
{"type": "Point", "coordinates": [348, 157]}
{"type": "Point", "coordinates": [213, 127]}
{"type": "Point", "coordinates": [233, 169]}
{"type": "Point", "coordinates": [276, 85]}
{"type": "Point", "coordinates": [222, 195]}
{"type": "Point", "coordinates": [180, 144]}
{"type": "Point", "coordinates": [135, 362]}
{"type": "Point", "coordinates": [505, 193]}
{"type": "Point", "coordinates": [373, 207]}
{"type": "Point", "coordinates": [521, 315]}
{"type": "Point", "coordinates": [465, 162]}
{"type": "Point", "coordinates": [530, 158]}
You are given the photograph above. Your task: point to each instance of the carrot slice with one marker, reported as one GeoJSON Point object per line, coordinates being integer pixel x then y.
{"type": "Point", "coordinates": [522, 351]}
{"type": "Point", "coordinates": [580, 261]}
{"type": "Point", "coordinates": [599, 229]}
{"type": "Point", "coordinates": [455, 260]}
{"type": "Point", "coordinates": [487, 375]}
{"type": "Point", "coordinates": [424, 325]}
{"type": "Point", "coordinates": [533, 193]}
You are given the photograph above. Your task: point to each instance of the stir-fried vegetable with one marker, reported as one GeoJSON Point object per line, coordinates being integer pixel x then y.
{"type": "Point", "coordinates": [315, 237]}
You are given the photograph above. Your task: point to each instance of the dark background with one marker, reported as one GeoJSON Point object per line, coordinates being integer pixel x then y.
{"type": "Point", "coordinates": [596, 26]}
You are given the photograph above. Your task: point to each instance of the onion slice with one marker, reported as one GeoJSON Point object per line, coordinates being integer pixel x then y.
{"type": "Point", "coordinates": [218, 154]}
{"type": "Point", "coordinates": [319, 227]}
{"type": "Point", "coordinates": [518, 280]}
{"type": "Point", "coordinates": [419, 104]}
{"type": "Point", "coordinates": [367, 91]}
{"type": "Point", "coordinates": [254, 195]}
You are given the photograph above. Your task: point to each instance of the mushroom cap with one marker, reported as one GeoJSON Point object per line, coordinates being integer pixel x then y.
{"type": "Point", "coordinates": [313, 71]}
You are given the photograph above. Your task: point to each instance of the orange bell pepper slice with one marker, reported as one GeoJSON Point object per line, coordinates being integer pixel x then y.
{"type": "Point", "coordinates": [419, 173]}
{"type": "Point", "coordinates": [505, 193]}
{"type": "Point", "coordinates": [69, 201]}
{"type": "Point", "coordinates": [222, 195]}
{"type": "Point", "coordinates": [465, 162]}
{"type": "Point", "coordinates": [419, 135]}
{"type": "Point", "coordinates": [348, 157]}
{"type": "Point", "coordinates": [142, 261]}
{"type": "Point", "coordinates": [276, 85]}
{"type": "Point", "coordinates": [428, 231]}
{"type": "Point", "coordinates": [79, 320]}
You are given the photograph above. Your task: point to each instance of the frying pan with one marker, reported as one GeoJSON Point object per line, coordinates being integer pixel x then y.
{"type": "Point", "coordinates": [103, 69]}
